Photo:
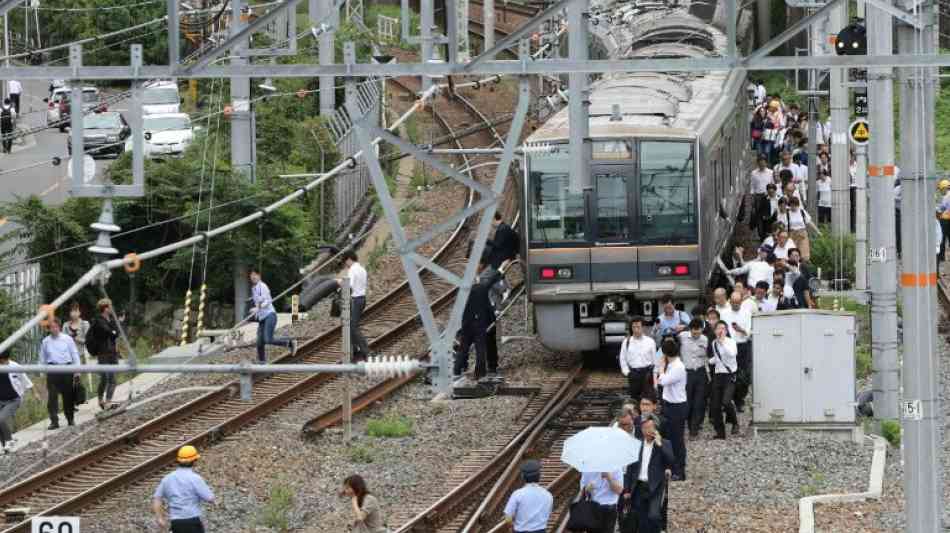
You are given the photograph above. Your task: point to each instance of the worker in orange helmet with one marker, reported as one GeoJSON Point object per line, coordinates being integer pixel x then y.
{"type": "Point", "coordinates": [182, 491]}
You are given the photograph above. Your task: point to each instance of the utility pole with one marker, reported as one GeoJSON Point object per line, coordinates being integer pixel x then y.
{"type": "Point", "coordinates": [425, 32]}
{"type": "Point", "coordinates": [861, 219]}
{"type": "Point", "coordinates": [883, 268]}
{"type": "Point", "coordinates": [840, 155]}
{"type": "Point", "coordinates": [578, 111]}
{"type": "Point", "coordinates": [921, 413]}
{"type": "Point", "coordinates": [811, 195]}
{"type": "Point", "coordinates": [763, 21]}
{"type": "Point", "coordinates": [242, 138]}
{"type": "Point", "coordinates": [319, 10]}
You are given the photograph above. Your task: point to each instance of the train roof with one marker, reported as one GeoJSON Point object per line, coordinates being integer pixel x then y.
{"type": "Point", "coordinates": [651, 104]}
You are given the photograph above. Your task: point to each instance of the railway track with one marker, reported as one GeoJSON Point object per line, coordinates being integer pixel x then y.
{"type": "Point", "coordinates": [80, 481]}
{"type": "Point", "coordinates": [480, 487]}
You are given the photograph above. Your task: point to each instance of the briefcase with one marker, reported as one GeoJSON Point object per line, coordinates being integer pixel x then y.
{"type": "Point", "coordinates": [79, 393]}
{"type": "Point", "coordinates": [585, 515]}
{"type": "Point", "coordinates": [336, 306]}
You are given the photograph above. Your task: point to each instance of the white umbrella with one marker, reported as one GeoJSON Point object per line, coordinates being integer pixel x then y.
{"type": "Point", "coordinates": [600, 449]}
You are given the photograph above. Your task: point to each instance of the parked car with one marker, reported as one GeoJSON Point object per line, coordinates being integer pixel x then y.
{"type": "Point", "coordinates": [58, 105]}
{"type": "Point", "coordinates": [161, 98]}
{"type": "Point", "coordinates": [103, 134]}
{"type": "Point", "coordinates": [168, 134]}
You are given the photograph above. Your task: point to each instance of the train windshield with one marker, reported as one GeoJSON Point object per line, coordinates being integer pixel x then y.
{"type": "Point", "coordinates": [557, 214]}
{"type": "Point", "coordinates": [666, 190]}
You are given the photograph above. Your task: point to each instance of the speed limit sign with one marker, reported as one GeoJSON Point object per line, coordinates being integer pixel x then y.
{"type": "Point", "coordinates": [55, 524]}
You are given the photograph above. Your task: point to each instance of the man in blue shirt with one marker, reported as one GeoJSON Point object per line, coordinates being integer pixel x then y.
{"type": "Point", "coordinates": [183, 491]}
{"type": "Point", "coordinates": [266, 319]}
{"type": "Point", "coordinates": [671, 320]}
{"type": "Point", "coordinates": [58, 349]}
{"type": "Point", "coordinates": [529, 507]}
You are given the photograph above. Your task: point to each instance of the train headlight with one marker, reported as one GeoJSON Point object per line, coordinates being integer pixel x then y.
{"type": "Point", "coordinates": [681, 269]}
{"type": "Point", "coordinates": [664, 270]}
{"type": "Point", "coordinates": [549, 273]}
{"type": "Point", "coordinates": [565, 273]}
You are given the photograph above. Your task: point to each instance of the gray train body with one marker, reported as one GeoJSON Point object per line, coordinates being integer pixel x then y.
{"type": "Point", "coordinates": [668, 176]}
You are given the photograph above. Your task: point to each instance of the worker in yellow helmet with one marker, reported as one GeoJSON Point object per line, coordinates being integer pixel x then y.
{"type": "Point", "coordinates": [943, 214]}
{"type": "Point", "coordinates": [183, 491]}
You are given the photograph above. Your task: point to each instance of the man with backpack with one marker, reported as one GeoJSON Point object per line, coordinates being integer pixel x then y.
{"type": "Point", "coordinates": [671, 321]}
{"type": "Point", "coordinates": [7, 119]}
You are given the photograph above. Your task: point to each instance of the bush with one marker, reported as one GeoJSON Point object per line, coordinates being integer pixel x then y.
{"type": "Point", "coordinates": [389, 426]}
{"type": "Point", "coordinates": [834, 255]}
{"type": "Point", "coordinates": [276, 513]}
{"type": "Point", "coordinates": [361, 454]}
{"type": "Point", "coordinates": [862, 361]}
{"type": "Point", "coordinates": [891, 430]}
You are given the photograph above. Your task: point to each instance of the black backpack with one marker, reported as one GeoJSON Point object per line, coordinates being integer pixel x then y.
{"type": "Point", "coordinates": [6, 118]}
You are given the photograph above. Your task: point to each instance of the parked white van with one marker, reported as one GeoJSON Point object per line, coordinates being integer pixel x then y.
{"type": "Point", "coordinates": [161, 98]}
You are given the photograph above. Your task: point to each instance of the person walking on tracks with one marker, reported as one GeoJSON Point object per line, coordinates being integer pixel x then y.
{"type": "Point", "coordinates": [182, 491]}
{"type": "Point", "coordinates": [673, 378]}
{"type": "Point", "coordinates": [7, 120]}
{"type": "Point", "coordinates": [357, 276]}
{"type": "Point", "coordinates": [12, 388]}
{"type": "Point", "coordinates": [724, 351]}
{"type": "Point", "coordinates": [647, 479]}
{"type": "Point", "coordinates": [693, 349]}
{"type": "Point", "coordinates": [637, 353]}
{"type": "Point", "coordinates": [604, 489]}
{"type": "Point", "coordinates": [101, 343]}
{"type": "Point", "coordinates": [266, 319]}
{"type": "Point", "coordinates": [58, 349]}
{"type": "Point", "coordinates": [529, 507]}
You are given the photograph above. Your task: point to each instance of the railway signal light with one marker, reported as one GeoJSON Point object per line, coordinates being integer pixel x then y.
{"type": "Point", "coordinates": [852, 40]}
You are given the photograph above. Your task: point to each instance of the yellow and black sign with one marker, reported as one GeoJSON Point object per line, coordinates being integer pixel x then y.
{"type": "Point", "coordinates": [860, 132]}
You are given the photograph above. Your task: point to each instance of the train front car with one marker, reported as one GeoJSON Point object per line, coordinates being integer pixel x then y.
{"type": "Point", "coordinates": [665, 174]}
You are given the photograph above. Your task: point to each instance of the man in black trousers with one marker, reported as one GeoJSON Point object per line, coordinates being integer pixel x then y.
{"type": "Point", "coordinates": [646, 480]}
{"type": "Point", "coordinates": [476, 318]}
{"type": "Point", "coordinates": [694, 347]}
{"type": "Point", "coordinates": [504, 245]}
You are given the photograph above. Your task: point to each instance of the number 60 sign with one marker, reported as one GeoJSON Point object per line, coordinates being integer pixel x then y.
{"type": "Point", "coordinates": [55, 524]}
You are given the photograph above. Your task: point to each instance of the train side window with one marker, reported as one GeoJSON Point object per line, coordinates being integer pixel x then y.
{"type": "Point", "coordinates": [557, 214]}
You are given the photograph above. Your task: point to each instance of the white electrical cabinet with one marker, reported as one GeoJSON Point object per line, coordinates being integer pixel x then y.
{"type": "Point", "coordinates": [803, 369]}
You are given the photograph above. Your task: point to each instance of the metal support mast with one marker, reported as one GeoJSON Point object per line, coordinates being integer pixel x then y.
{"type": "Point", "coordinates": [920, 403]}
{"type": "Point", "coordinates": [241, 144]}
{"type": "Point", "coordinates": [319, 9]}
{"type": "Point", "coordinates": [580, 146]}
{"type": "Point", "coordinates": [840, 154]}
{"type": "Point", "coordinates": [427, 24]}
{"type": "Point", "coordinates": [488, 20]}
{"type": "Point", "coordinates": [883, 267]}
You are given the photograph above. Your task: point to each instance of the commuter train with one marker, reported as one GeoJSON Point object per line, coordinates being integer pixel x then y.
{"type": "Point", "coordinates": [670, 153]}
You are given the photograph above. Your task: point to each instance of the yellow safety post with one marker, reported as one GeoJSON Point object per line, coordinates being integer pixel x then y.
{"type": "Point", "coordinates": [184, 319]}
{"type": "Point", "coordinates": [201, 309]}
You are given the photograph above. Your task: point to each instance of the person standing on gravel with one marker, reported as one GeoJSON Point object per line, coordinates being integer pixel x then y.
{"type": "Point", "coordinates": [646, 479]}
{"type": "Point", "coordinates": [724, 352]}
{"type": "Point", "coordinates": [477, 316]}
{"type": "Point", "coordinates": [57, 350]}
{"type": "Point", "coordinates": [266, 318]}
{"type": "Point", "coordinates": [357, 276]}
{"type": "Point", "coordinates": [675, 409]}
{"type": "Point", "coordinates": [366, 512]}
{"type": "Point", "coordinates": [604, 489]}
{"type": "Point", "coordinates": [101, 342]}
{"type": "Point", "coordinates": [693, 349]}
{"type": "Point", "coordinates": [637, 353]}
{"type": "Point", "coordinates": [183, 491]}
{"type": "Point", "coordinates": [12, 388]}
{"type": "Point", "coordinates": [529, 507]}
{"type": "Point", "coordinates": [739, 319]}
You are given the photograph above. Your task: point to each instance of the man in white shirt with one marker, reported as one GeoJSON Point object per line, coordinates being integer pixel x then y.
{"type": "Point", "coordinates": [357, 276]}
{"type": "Point", "coordinates": [529, 507]}
{"type": "Point", "coordinates": [673, 380]}
{"type": "Point", "coordinates": [760, 178]}
{"type": "Point", "coordinates": [266, 317]}
{"type": "Point", "coordinates": [693, 349]}
{"type": "Point", "coordinates": [799, 172]}
{"type": "Point", "coordinates": [763, 303]}
{"type": "Point", "coordinates": [739, 320]}
{"type": "Point", "coordinates": [760, 269]}
{"type": "Point", "coordinates": [15, 89]}
{"type": "Point", "coordinates": [782, 245]}
{"type": "Point", "coordinates": [636, 359]}
{"type": "Point", "coordinates": [646, 479]}
{"type": "Point", "coordinates": [57, 350]}
{"type": "Point", "coordinates": [604, 489]}
{"type": "Point", "coordinates": [720, 300]}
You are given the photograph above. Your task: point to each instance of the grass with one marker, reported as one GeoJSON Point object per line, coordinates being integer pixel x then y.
{"type": "Point", "coordinates": [276, 513]}
{"type": "Point", "coordinates": [390, 426]}
{"type": "Point", "coordinates": [362, 454]}
{"type": "Point", "coordinates": [862, 350]}
{"type": "Point", "coordinates": [833, 254]}
{"type": "Point", "coordinates": [891, 430]}
{"type": "Point", "coordinates": [814, 485]}
{"type": "Point", "coordinates": [376, 254]}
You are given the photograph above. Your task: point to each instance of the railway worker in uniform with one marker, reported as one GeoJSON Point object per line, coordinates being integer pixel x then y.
{"type": "Point", "coordinates": [12, 388]}
{"type": "Point", "coordinates": [476, 318]}
{"type": "Point", "coordinates": [529, 508]}
{"type": "Point", "coordinates": [266, 318]}
{"type": "Point", "coordinates": [357, 276]}
{"type": "Point", "coordinates": [646, 479]}
{"type": "Point", "coordinates": [182, 491]}
{"type": "Point", "coordinates": [723, 358]}
{"type": "Point", "coordinates": [604, 489]}
{"type": "Point", "coordinates": [693, 353]}
{"type": "Point", "coordinates": [671, 321]}
{"type": "Point", "coordinates": [637, 353]}
{"type": "Point", "coordinates": [675, 409]}
{"type": "Point", "coordinates": [739, 320]}
{"type": "Point", "coordinates": [58, 349]}
{"type": "Point", "coordinates": [504, 244]}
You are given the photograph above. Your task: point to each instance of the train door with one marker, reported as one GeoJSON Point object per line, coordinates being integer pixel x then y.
{"type": "Point", "coordinates": [613, 255]}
